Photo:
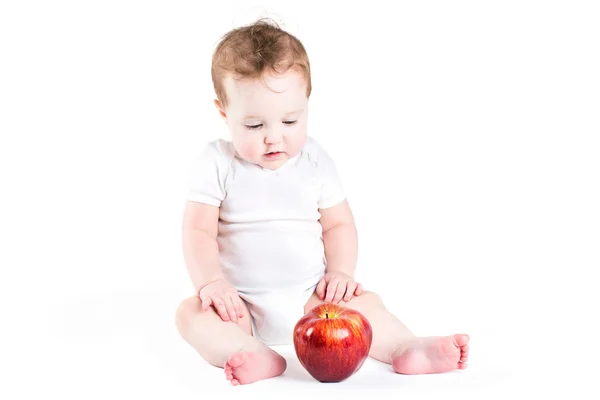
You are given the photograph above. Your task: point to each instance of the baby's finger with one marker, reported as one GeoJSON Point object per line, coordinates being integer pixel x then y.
{"type": "Point", "coordinates": [351, 287]}
{"type": "Point", "coordinates": [359, 290]}
{"type": "Point", "coordinates": [206, 302]}
{"type": "Point", "coordinates": [240, 307]}
{"type": "Point", "coordinates": [321, 288]}
{"type": "Point", "coordinates": [230, 309]}
{"type": "Point", "coordinates": [331, 289]}
{"type": "Point", "coordinates": [339, 293]}
{"type": "Point", "coordinates": [221, 309]}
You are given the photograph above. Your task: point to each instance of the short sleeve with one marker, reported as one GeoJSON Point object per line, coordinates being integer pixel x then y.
{"type": "Point", "coordinates": [207, 175]}
{"type": "Point", "coordinates": [332, 189]}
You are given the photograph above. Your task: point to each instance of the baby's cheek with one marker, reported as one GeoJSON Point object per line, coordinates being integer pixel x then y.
{"type": "Point", "coordinates": [297, 141]}
{"type": "Point", "coordinates": [251, 150]}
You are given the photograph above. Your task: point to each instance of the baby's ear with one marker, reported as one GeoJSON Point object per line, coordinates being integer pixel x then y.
{"type": "Point", "coordinates": [220, 109]}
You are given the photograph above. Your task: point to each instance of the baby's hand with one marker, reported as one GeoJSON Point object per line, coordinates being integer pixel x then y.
{"type": "Point", "coordinates": [224, 298]}
{"type": "Point", "coordinates": [336, 285]}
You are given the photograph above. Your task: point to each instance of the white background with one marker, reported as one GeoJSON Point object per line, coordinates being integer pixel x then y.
{"type": "Point", "coordinates": [466, 132]}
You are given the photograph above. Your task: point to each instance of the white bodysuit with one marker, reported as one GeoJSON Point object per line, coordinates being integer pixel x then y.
{"type": "Point", "coordinates": [270, 239]}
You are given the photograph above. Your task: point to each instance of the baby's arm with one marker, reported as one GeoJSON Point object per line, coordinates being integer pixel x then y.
{"type": "Point", "coordinates": [341, 252]}
{"type": "Point", "coordinates": [200, 249]}
{"type": "Point", "coordinates": [201, 253]}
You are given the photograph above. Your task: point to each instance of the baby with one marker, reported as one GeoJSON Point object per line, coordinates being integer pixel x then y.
{"type": "Point", "coordinates": [267, 230]}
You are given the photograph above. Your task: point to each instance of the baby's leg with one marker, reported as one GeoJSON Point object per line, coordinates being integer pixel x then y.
{"type": "Point", "coordinates": [395, 344]}
{"type": "Point", "coordinates": [227, 345]}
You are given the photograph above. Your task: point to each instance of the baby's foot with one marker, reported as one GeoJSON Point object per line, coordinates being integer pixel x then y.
{"type": "Point", "coordinates": [432, 355]}
{"type": "Point", "coordinates": [242, 368]}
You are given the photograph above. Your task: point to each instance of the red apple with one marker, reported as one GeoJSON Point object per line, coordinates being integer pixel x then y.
{"type": "Point", "coordinates": [332, 342]}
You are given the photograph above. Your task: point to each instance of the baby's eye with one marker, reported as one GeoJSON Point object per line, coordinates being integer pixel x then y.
{"type": "Point", "coordinates": [253, 126]}
{"type": "Point", "coordinates": [290, 122]}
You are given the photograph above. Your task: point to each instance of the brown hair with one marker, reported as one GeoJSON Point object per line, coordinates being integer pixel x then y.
{"type": "Point", "coordinates": [250, 51]}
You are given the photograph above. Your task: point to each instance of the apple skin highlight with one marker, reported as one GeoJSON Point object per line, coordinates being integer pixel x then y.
{"type": "Point", "coordinates": [332, 342]}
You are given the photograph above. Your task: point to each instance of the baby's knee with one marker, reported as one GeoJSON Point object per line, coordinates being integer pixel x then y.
{"type": "Point", "coordinates": [366, 299]}
{"type": "Point", "coordinates": [371, 297]}
{"type": "Point", "coordinates": [185, 311]}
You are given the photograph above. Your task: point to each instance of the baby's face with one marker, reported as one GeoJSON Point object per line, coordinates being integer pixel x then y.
{"type": "Point", "coordinates": [267, 123]}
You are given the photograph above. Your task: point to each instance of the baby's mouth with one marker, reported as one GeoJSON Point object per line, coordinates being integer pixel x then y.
{"type": "Point", "coordinates": [273, 154]}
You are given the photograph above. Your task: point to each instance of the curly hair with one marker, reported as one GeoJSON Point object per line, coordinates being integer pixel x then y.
{"type": "Point", "coordinates": [250, 51]}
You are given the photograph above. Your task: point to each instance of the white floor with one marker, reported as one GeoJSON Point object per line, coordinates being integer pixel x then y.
{"type": "Point", "coordinates": [123, 345]}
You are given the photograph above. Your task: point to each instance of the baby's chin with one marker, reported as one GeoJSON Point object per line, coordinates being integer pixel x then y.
{"type": "Point", "coordinates": [267, 161]}
{"type": "Point", "coordinates": [273, 160]}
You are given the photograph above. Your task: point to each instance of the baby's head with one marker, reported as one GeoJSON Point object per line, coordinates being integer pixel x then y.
{"type": "Point", "coordinates": [261, 76]}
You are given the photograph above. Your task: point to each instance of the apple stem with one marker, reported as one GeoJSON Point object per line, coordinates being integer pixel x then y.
{"type": "Point", "coordinates": [326, 315]}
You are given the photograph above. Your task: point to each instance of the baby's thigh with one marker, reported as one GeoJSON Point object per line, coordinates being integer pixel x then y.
{"type": "Point", "coordinates": [312, 302]}
{"type": "Point", "coordinates": [246, 321]}
{"type": "Point", "coordinates": [366, 300]}
{"type": "Point", "coordinates": [190, 313]}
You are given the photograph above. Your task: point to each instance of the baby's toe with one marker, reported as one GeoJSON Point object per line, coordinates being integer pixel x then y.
{"type": "Point", "coordinates": [236, 360]}
{"type": "Point", "coordinates": [228, 371]}
{"type": "Point", "coordinates": [461, 340]}
{"type": "Point", "coordinates": [235, 382]}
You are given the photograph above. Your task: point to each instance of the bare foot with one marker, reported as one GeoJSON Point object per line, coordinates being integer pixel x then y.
{"type": "Point", "coordinates": [432, 355]}
{"type": "Point", "coordinates": [242, 368]}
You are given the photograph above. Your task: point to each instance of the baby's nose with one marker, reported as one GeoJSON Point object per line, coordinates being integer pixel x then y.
{"type": "Point", "coordinates": [273, 136]}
